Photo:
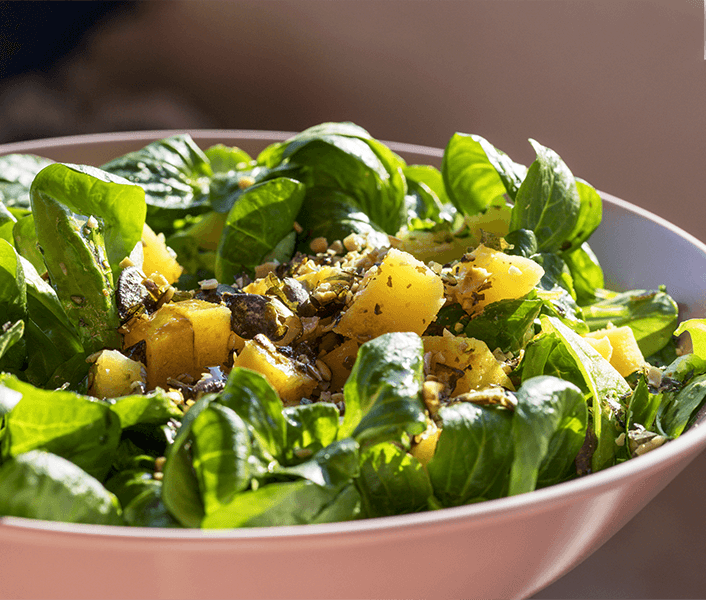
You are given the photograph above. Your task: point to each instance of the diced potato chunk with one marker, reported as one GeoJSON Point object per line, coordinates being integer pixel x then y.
{"type": "Point", "coordinates": [425, 444]}
{"type": "Point", "coordinates": [259, 286]}
{"type": "Point", "coordinates": [341, 360]}
{"type": "Point", "coordinates": [113, 374]}
{"type": "Point", "coordinates": [315, 277]}
{"type": "Point", "coordinates": [486, 276]}
{"type": "Point", "coordinates": [182, 337]}
{"type": "Point", "coordinates": [158, 258]}
{"type": "Point", "coordinates": [261, 355]}
{"type": "Point", "coordinates": [626, 356]}
{"type": "Point", "coordinates": [401, 294]}
{"type": "Point", "coordinates": [211, 325]}
{"type": "Point", "coordinates": [480, 368]}
{"type": "Point", "coordinates": [602, 345]}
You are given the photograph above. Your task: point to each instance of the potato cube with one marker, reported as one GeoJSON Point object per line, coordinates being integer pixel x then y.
{"type": "Point", "coordinates": [602, 345]}
{"type": "Point", "coordinates": [424, 445]}
{"type": "Point", "coordinates": [170, 347]}
{"type": "Point", "coordinates": [341, 360]}
{"type": "Point", "coordinates": [289, 380]}
{"type": "Point", "coordinates": [158, 258]}
{"type": "Point", "coordinates": [473, 357]}
{"type": "Point", "coordinates": [211, 325]}
{"type": "Point", "coordinates": [182, 337]}
{"type": "Point", "coordinates": [485, 276]}
{"type": "Point", "coordinates": [626, 357]}
{"type": "Point", "coordinates": [401, 294]}
{"type": "Point", "coordinates": [113, 374]}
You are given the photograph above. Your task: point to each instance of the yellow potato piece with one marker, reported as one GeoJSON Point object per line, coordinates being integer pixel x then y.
{"type": "Point", "coordinates": [341, 360]}
{"type": "Point", "coordinates": [158, 258]}
{"type": "Point", "coordinates": [211, 325]}
{"type": "Point", "coordinates": [425, 444]}
{"type": "Point", "coordinates": [401, 294]}
{"type": "Point", "coordinates": [182, 337]}
{"type": "Point", "coordinates": [113, 375]}
{"type": "Point", "coordinates": [261, 355]}
{"type": "Point", "coordinates": [602, 345]}
{"type": "Point", "coordinates": [626, 357]}
{"type": "Point", "coordinates": [485, 276]}
{"type": "Point", "coordinates": [480, 367]}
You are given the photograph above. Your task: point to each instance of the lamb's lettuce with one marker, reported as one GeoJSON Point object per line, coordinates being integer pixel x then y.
{"type": "Point", "coordinates": [642, 406]}
{"type": "Point", "coordinates": [333, 215]}
{"type": "Point", "coordinates": [561, 210]}
{"type": "Point", "coordinates": [154, 408]}
{"type": "Point", "coordinates": [260, 221]}
{"type": "Point", "coordinates": [254, 400]}
{"type": "Point", "coordinates": [117, 205]}
{"type": "Point", "coordinates": [220, 450]}
{"type": "Point", "coordinates": [11, 334]}
{"type": "Point", "coordinates": [677, 409]}
{"type": "Point", "coordinates": [24, 236]}
{"type": "Point", "coordinates": [173, 172]}
{"type": "Point", "coordinates": [607, 387]}
{"type": "Point", "coordinates": [345, 157]}
{"type": "Point", "coordinates": [333, 466]}
{"type": "Point", "coordinates": [548, 430]}
{"type": "Point", "coordinates": [148, 510]}
{"type": "Point", "coordinates": [681, 394]}
{"type": "Point", "coordinates": [311, 427]}
{"type": "Point", "coordinates": [557, 292]}
{"type": "Point", "coordinates": [13, 292]}
{"type": "Point", "coordinates": [589, 217]}
{"type": "Point", "coordinates": [87, 433]}
{"type": "Point", "coordinates": [476, 173]}
{"type": "Point", "coordinates": [469, 465]}
{"type": "Point", "coordinates": [298, 502]}
{"type": "Point", "coordinates": [60, 491]}
{"type": "Point", "coordinates": [384, 390]}
{"type": "Point", "coordinates": [7, 223]}
{"type": "Point", "coordinates": [586, 273]}
{"type": "Point", "coordinates": [506, 324]}
{"type": "Point", "coordinates": [392, 482]}
{"type": "Point", "coordinates": [17, 171]}
{"type": "Point", "coordinates": [428, 205]}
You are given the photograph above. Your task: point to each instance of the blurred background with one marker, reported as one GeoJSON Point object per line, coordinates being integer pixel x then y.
{"type": "Point", "coordinates": [616, 87]}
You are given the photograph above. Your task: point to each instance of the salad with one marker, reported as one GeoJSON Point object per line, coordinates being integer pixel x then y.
{"type": "Point", "coordinates": [200, 338]}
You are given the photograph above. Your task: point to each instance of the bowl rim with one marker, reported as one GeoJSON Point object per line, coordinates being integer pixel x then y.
{"type": "Point", "coordinates": [532, 502]}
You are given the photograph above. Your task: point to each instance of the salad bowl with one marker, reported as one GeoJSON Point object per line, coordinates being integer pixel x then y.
{"type": "Point", "coordinates": [506, 548]}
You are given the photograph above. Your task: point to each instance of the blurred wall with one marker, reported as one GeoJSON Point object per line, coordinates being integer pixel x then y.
{"type": "Point", "coordinates": [615, 86]}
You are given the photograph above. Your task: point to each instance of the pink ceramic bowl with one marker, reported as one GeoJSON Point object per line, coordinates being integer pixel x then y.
{"type": "Point", "coordinates": [506, 548]}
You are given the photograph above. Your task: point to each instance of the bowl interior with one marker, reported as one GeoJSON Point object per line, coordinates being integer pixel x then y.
{"type": "Point", "coordinates": [636, 249]}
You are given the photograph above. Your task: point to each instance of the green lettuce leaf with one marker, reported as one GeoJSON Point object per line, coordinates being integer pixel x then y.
{"type": "Point", "coordinates": [175, 175]}
{"type": "Point", "coordinates": [87, 432]}
{"type": "Point", "coordinates": [383, 393]}
{"type": "Point", "coordinates": [475, 173]}
{"type": "Point", "coordinates": [471, 462]}
{"type": "Point", "coordinates": [548, 202]}
{"type": "Point", "coordinates": [392, 482]}
{"type": "Point", "coordinates": [41, 485]}
{"type": "Point", "coordinates": [261, 218]}
{"type": "Point", "coordinates": [607, 387]}
{"type": "Point", "coordinates": [548, 430]}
